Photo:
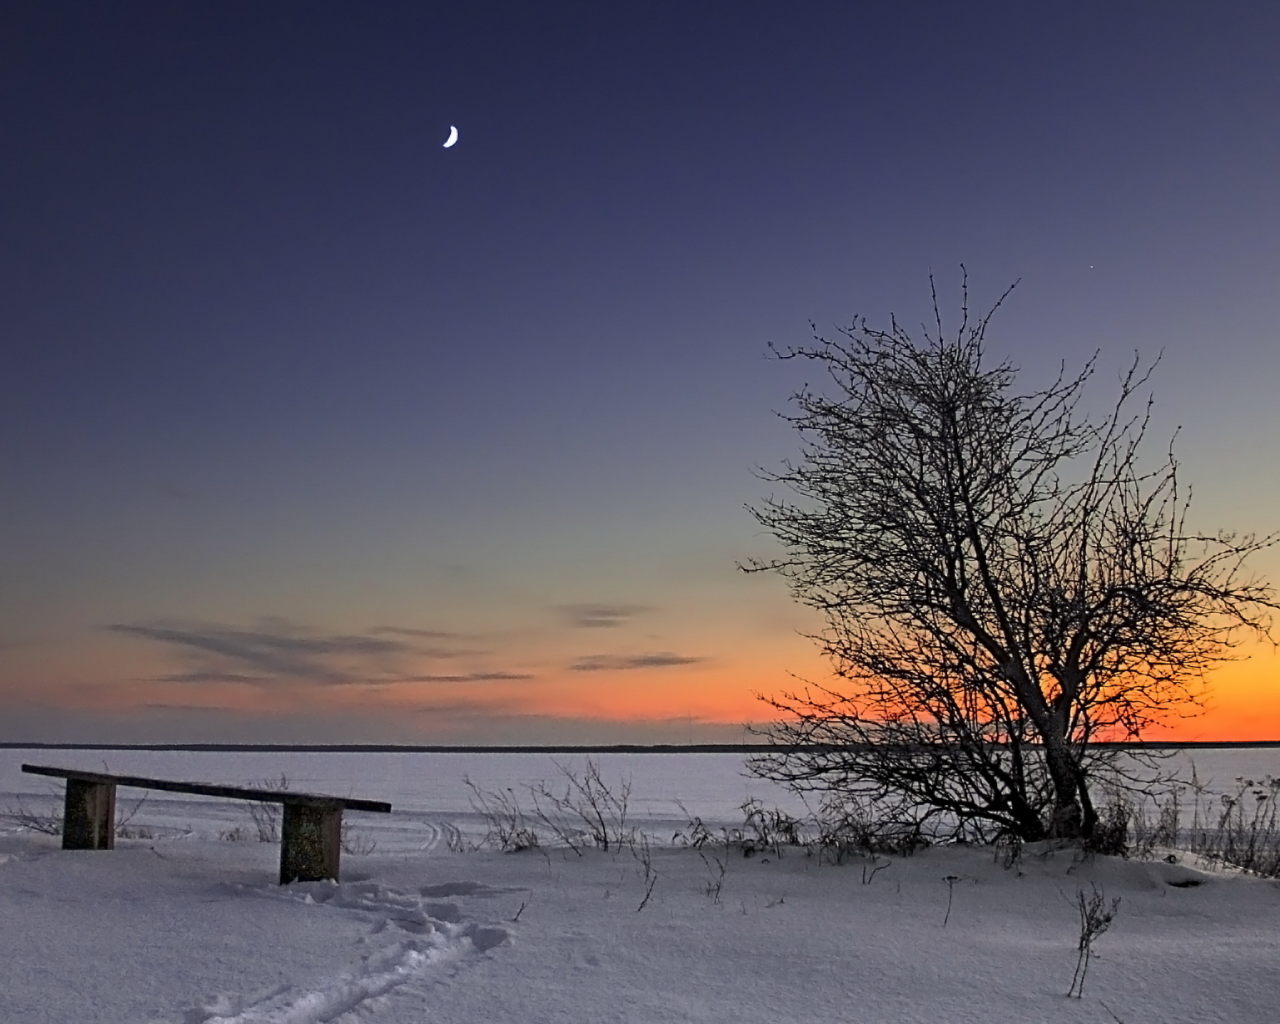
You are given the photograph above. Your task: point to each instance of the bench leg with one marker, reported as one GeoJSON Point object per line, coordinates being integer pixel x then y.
{"type": "Point", "coordinates": [310, 843]}
{"type": "Point", "coordinates": [89, 816]}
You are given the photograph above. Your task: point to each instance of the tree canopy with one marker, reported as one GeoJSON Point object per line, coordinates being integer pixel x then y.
{"type": "Point", "coordinates": [1004, 581]}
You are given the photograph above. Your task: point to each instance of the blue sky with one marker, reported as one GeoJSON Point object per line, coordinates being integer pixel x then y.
{"type": "Point", "coordinates": [283, 374]}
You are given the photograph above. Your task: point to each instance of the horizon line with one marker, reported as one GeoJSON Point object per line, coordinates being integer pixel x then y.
{"type": "Point", "coordinates": [553, 748]}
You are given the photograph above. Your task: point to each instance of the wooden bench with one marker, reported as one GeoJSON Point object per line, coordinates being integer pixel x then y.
{"type": "Point", "coordinates": [310, 838]}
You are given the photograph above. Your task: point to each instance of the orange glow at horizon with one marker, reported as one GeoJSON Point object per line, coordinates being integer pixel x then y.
{"type": "Point", "coordinates": [1242, 698]}
{"type": "Point", "coordinates": [1241, 702]}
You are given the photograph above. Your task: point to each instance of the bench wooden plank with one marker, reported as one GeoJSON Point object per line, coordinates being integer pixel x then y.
{"type": "Point", "coordinates": [310, 836]}
{"type": "Point", "coordinates": [206, 789]}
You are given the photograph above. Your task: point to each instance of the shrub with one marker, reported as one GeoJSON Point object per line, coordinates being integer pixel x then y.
{"type": "Point", "coordinates": [266, 816]}
{"type": "Point", "coordinates": [508, 828]}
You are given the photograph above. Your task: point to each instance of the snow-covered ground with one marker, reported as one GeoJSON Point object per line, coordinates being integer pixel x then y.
{"type": "Point", "coordinates": [183, 928]}
{"type": "Point", "coordinates": [196, 931]}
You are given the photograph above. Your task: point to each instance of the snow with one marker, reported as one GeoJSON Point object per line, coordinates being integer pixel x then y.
{"type": "Point", "coordinates": [184, 928]}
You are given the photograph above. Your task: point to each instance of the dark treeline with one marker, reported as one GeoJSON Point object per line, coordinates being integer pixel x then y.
{"type": "Point", "coordinates": [617, 748]}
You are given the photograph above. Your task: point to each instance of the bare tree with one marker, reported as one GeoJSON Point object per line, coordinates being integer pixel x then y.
{"type": "Point", "coordinates": [1004, 582]}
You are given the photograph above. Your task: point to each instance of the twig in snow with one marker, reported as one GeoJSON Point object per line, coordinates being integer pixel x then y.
{"type": "Point", "coordinates": [644, 854]}
{"type": "Point", "coordinates": [951, 888]}
{"type": "Point", "coordinates": [1114, 1017]}
{"type": "Point", "coordinates": [1095, 918]}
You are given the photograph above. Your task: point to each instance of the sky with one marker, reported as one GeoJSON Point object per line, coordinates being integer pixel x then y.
{"type": "Point", "coordinates": [312, 429]}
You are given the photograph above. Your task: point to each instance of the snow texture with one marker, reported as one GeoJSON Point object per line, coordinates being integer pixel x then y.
{"type": "Point", "coordinates": [186, 929]}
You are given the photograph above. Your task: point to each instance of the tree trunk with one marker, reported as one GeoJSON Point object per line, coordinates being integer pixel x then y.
{"type": "Point", "coordinates": [1072, 816]}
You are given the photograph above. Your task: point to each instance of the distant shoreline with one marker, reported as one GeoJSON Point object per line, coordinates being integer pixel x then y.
{"type": "Point", "coordinates": [617, 748]}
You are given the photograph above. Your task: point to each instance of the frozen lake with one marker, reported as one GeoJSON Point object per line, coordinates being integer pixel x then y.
{"type": "Point", "coordinates": [430, 798]}
{"type": "Point", "coordinates": [428, 791]}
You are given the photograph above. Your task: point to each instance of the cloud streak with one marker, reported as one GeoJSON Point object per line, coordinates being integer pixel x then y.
{"type": "Point", "coordinates": [429, 634]}
{"type": "Point", "coordinates": [468, 677]}
{"type": "Point", "coordinates": [601, 616]}
{"type": "Point", "coordinates": [278, 652]}
{"type": "Point", "coordinates": [617, 662]}
{"type": "Point", "coordinates": [208, 677]}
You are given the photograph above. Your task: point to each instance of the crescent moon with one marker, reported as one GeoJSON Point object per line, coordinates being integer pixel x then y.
{"type": "Point", "coordinates": [453, 137]}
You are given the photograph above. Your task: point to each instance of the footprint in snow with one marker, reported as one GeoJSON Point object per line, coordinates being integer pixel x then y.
{"type": "Point", "coordinates": [416, 937]}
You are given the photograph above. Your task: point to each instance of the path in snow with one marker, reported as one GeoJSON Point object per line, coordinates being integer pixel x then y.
{"type": "Point", "coordinates": [412, 936]}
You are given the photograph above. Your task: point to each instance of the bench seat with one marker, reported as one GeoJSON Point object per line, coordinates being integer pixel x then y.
{"type": "Point", "coordinates": [310, 836]}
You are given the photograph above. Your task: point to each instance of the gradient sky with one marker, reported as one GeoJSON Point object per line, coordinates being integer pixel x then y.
{"type": "Point", "coordinates": [311, 429]}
